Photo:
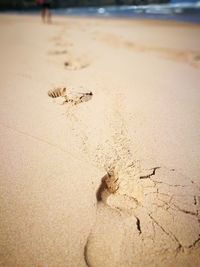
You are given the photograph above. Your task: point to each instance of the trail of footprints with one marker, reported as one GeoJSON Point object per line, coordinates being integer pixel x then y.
{"type": "Point", "coordinates": [70, 63]}
{"type": "Point", "coordinates": [136, 207]}
{"type": "Point", "coordinates": [137, 203]}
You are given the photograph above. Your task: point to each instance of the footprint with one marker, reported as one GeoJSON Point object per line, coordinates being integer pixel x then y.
{"type": "Point", "coordinates": [75, 64]}
{"type": "Point", "coordinates": [68, 96]}
{"type": "Point", "coordinates": [114, 235]}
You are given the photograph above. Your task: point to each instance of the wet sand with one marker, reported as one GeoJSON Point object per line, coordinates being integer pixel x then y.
{"type": "Point", "coordinates": [107, 180]}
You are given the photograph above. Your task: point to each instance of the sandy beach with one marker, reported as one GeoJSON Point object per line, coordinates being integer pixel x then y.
{"type": "Point", "coordinates": [102, 179]}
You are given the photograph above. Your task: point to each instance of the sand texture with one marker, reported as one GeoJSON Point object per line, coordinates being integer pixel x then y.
{"type": "Point", "coordinates": [100, 143]}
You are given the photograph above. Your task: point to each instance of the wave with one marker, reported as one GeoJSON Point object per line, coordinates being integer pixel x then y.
{"type": "Point", "coordinates": [187, 11]}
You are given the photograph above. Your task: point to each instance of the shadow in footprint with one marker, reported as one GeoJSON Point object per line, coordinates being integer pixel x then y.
{"type": "Point", "coordinates": [109, 185]}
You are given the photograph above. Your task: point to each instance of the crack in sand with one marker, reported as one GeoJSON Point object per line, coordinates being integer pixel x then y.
{"type": "Point", "coordinates": [172, 236]}
{"type": "Point", "coordinates": [185, 211]}
{"type": "Point", "coordinates": [170, 185]}
{"type": "Point", "coordinates": [195, 200]}
{"type": "Point", "coordinates": [138, 225]}
{"type": "Point", "coordinates": [195, 243]}
{"type": "Point", "coordinates": [151, 174]}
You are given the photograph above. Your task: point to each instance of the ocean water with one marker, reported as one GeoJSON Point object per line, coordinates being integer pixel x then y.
{"type": "Point", "coordinates": [186, 12]}
{"type": "Point", "coordinates": [176, 11]}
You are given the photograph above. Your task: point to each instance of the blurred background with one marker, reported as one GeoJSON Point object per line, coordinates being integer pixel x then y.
{"type": "Point", "coordinates": [5, 4]}
{"type": "Point", "coordinates": [182, 10]}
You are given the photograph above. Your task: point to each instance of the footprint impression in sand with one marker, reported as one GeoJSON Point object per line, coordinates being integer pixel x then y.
{"type": "Point", "coordinates": [76, 64]}
{"type": "Point", "coordinates": [113, 228]}
{"type": "Point", "coordinates": [67, 96]}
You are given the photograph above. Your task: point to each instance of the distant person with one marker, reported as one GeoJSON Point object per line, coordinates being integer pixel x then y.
{"type": "Point", "coordinates": [45, 10]}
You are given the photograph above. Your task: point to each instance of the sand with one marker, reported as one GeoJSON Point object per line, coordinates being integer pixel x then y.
{"type": "Point", "coordinates": [113, 180]}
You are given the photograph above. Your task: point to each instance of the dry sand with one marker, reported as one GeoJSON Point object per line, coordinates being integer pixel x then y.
{"type": "Point", "coordinates": [111, 182]}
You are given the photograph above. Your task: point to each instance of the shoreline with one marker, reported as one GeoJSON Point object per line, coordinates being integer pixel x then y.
{"type": "Point", "coordinates": [114, 18]}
